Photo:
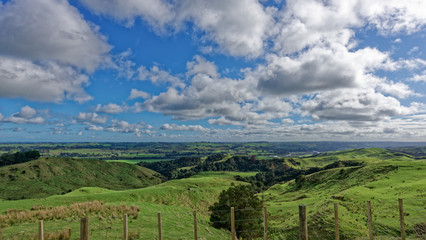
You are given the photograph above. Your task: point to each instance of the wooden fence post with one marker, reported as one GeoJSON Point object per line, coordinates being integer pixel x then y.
{"type": "Point", "coordinates": [84, 228]}
{"type": "Point", "coordinates": [303, 223]}
{"type": "Point", "coordinates": [234, 236]}
{"type": "Point", "coordinates": [40, 230]}
{"type": "Point", "coordinates": [336, 220]}
{"type": "Point", "coordinates": [195, 225]}
{"type": "Point", "coordinates": [265, 223]}
{"type": "Point", "coordinates": [160, 236]}
{"type": "Point", "coordinates": [401, 218]}
{"type": "Point", "coordinates": [370, 221]}
{"type": "Point", "coordinates": [125, 227]}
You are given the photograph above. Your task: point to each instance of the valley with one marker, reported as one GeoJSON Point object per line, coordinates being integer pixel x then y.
{"type": "Point", "coordinates": [61, 190]}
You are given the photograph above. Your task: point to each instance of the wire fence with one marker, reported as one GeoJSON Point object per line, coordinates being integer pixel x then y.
{"type": "Point", "coordinates": [330, 219]}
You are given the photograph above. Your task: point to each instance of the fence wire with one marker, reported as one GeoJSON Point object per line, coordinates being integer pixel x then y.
{"type": "Point", "coordinates": [177, 223]}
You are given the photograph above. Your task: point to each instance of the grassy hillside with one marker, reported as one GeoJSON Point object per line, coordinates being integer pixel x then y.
{"type": "Point", "coordinates": [50, 176]}
{"type": "Point", "coordinates": [383, 178]}
{"type": "Point", "coordinates": [381, 181]}
{"type": "Point", "coordinates": [414, 151]}
{"type": "Point", "coordinates": [175, 200]}
{"type": "Point", "coordinates": [369, 155]}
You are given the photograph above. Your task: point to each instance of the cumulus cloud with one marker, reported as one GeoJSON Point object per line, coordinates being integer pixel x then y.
{"type": "Point", "coordinates": [134, 93]}
{"type": "Point", "coordinates": [94, 128]}
{"type": "Point", "coordinates": [234, 102]}
{"type": "Point", "coordinates": [239, 27]}
{"type": "Point", "coordinates": [89, 118]}
{"type": "Point", "coordinates": [46, 81]}
{"type": "Point", "coordinates": [158, 76]}
{"type": "Point", "coordinates": [319, 69]}
{"type": "Point", "coordinates": [110, 108]}
{"type": "Point", "coordinates": [126, 127]}
{"type": "Point", "coordinates": [393, 16]}
{"type": "Point", "coordinates": [334, 21]}
{"type": "Point", "coordinates": [50, 30]}
{"type": "Point", "coordinates": [175, 127]}
{"type": "Point", "coordinates": [419, 77]}
{"type": "Point", "coordinates": [44, 48]}
{"type": "Point", "coordinates": [355, 105]}
{"type": "Point", "coordinates": [155, 12]}
{"type": "Point", "coordinates": [399, 89]}
{"type": "Point", "coordinates": [27, 114]}
{"type": "Point", "coordinates": [207, 96]}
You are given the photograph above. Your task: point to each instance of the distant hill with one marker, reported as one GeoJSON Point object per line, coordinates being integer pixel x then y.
{"type": "Point", "coordinates": [360, 154]}
{"type": "Point", "coordinates": [419, 152]}
{"type": "Point", "coordinates": [51, 176]}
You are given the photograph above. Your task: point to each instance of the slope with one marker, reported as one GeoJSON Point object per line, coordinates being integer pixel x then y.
{"type": "Point", "coordinates": [175, 199]}
{"type": "Point", "coordinates": [50, 176]}
{"type": "Point", "coordinates": [381, 181]}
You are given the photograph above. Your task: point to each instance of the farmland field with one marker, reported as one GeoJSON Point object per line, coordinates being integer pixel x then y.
{"type": "Point", "coordinates": [318, 180]}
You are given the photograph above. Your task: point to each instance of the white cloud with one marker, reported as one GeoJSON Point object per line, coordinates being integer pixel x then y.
{"type": "Point", "coordinates": [134, 93]}
{"type": "Point", "coordinates": [44, 48]}
{"type": "Point", "coordinates": [308, 23]}
{"type": "Point", "coordinates": [355, 105]}
{"type": "Point", "coordinates": [26, 112]}
{"type": "Point", "coordinates": [419, 77]}
{"type": "Point", "coordinates": [234, 102]}
{"type": "Point", "coordinates": [175, 127]}
{"type": "Point", "coordinates": [158, 76]}
{"type": "Point", "coordinates": [110, 108]}
{"type": "Point", "coordinates": [413, 50]}
{"type": "Point", "coordinates": [399, 90]}
{"type": "Point", "coordinates": [26, 115]}
{"type": "Point", "coordinates": [50, 30]}
{"type": "Point", "coordinates": [124, 66]}
{"type": "Point", "coordinates": [206, 96]}
{"type": "Point", "coordinates": [287, 121]}
{"type": "Point", "coordinates": [394, 16]}
{"type": "Point", "coordinates": [239, 26]}
{"type": "Point", "coordinates": [126, 127]}
{"type": "Point", "coordinates": [319, 69]}
{"type": "Point", "coordinates": [94, 128]}
{"type": "Point", "coordinates": [155, 12]}
{"type": "Point", "coordinates": [41, 82]}
{"type": "Point", "coordinates": [89, 118]}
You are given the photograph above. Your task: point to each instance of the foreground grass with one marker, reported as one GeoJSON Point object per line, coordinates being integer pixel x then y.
{"type": "Point", "coordinates": [382, 182]}
{"type": "Point", "coordinates": [175, 200]}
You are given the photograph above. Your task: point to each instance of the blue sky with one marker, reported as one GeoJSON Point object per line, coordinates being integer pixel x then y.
{"type": "Point", "coordinates": [241, 70]}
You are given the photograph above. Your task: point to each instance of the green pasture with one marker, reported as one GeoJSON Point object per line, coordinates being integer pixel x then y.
{"type": "Point", "coordinates": [175, 200]}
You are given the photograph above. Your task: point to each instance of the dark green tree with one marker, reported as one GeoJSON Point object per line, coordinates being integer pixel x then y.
{"type": "Point", "coordinates": [247, 208]}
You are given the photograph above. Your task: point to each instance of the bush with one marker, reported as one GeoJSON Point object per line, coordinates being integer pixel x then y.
{"type": "Point", "coordinates": [248, 212]}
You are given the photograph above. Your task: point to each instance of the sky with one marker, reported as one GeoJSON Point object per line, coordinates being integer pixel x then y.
{"type": "Point", "coordinates": [240, 70]}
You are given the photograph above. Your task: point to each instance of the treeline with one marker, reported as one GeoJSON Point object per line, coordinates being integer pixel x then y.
{"type": "Point", "coordinates": [170, 169]}
{"type": "Point", "coordinates": [263, 180]}
{"type": "Point", "coordinates": [18, 157]}
{"type": "Point", "coordinates": [270, 171]}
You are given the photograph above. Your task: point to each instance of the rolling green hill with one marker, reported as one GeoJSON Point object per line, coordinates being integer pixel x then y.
{"type": "Point", "coordinates": [50, 176]}
{"type": "Point", "coordinates": [383, 177]}
{"type": "Point", "coordinates": [175, 199]}
{"type": "Point", "coordinates": [369, 155]}
{"type": "Point", "coordinates": [381, 181]}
